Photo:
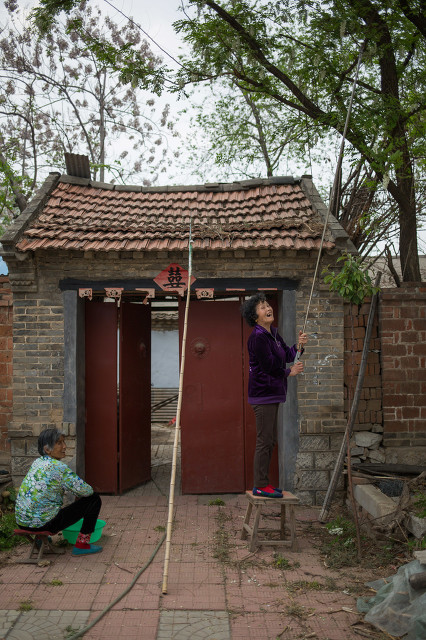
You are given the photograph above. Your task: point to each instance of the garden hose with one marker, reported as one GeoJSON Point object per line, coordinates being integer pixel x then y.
{"type": "Point", "coordinates": [81, 633]}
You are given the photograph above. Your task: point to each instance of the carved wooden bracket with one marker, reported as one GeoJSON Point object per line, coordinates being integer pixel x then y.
{"type": "Point", "coordinates": [114, 293]}
{"type": "Point", "coordinates": [85, 293]}
{"type": "Point", "coordinates": [204, 293]}
{"type": "Point", "coordinates": [150, 293]}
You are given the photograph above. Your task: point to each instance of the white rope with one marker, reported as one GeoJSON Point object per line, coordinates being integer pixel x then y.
{"type": "Point", "coordinates": [335, 182]}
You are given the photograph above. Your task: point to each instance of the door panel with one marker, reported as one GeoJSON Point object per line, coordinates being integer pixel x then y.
{"type": "Point", "coordinates": [101, 458]}
{"type": "Point", "coordinates": [135, 395]}
{"type": "Point", "coordinates": [212, 439]}
{"type": "Point", "coordinates": [249, 418]}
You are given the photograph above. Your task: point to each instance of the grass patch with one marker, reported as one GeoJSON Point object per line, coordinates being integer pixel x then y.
{"type": "Point", "coordinates": [331, 584]}
{"type": "Point", "coordinates": [420, 505]}
{"type": "Point", "coordinates": [279, 562]}
{"type": "Point", "coordinates": [221, 540]}
{"type": "Point", "coordinates": [416, 544]}
{"type": "Point", "coordinates": [337, 542]}
{"type": "Point", "coordinates": [71, 631]}
{"type": "Point", "coordinates": [217, 502]}
{"type": "Point", "coordinates": [56, 583]}
{"type": "Point", "coordinates": [305, 585]}
{"type": "Point", "coordinates": [26, 605]}
{"type": "Point", "coordinates": [339, 546]}
{"type": "Point", "coordinates": [8, 522]}
{"type": "Point", "coordinates": [7, 525]}
{"type": "Point", "coordinates": [159, 528]}
{"type": "Point", "coordinates": [297, 611]}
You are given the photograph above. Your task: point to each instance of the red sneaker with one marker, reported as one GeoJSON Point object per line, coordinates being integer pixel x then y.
{"type": "Point", "coordinates": [274, 488]}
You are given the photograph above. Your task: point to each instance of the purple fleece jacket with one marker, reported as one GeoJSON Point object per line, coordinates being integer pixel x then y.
{"type": "Point", "coordinates": [268, 355]}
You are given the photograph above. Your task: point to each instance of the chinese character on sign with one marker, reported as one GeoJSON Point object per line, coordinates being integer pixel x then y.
{"type": "Point", "coordinates": [174, 278]}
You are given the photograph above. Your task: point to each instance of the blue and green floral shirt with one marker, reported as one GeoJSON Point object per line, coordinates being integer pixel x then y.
{"type": "Point", "coordinates": [42, 490]}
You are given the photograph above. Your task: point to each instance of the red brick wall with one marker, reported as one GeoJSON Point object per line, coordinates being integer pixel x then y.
{"type": "Point", "coordinates": [370, 405]}
{"type": "Point", "coordinates": [394, 390]}
{"type": "Point", "coordinates": [403, 336]}
{"type": "Point", "coordinates": [6, 347]}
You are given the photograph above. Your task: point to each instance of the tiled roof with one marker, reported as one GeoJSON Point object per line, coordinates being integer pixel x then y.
{"type": "Point", "coordinates": [82, 215]}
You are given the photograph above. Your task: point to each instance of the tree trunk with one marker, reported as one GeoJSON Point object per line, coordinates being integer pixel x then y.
{"type": "Point", "coordinates": [408, 250]}
{"type": "Point", "coordinates": [20, 199]}
{"type": "Point", "coordinates": [102, 132]}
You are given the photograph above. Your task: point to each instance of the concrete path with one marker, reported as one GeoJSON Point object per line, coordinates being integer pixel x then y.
{"type": "Point", "coordinates": [217, 590]}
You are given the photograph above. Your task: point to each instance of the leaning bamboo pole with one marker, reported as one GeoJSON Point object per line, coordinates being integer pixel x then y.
{"type": "Point", "coordinates": [338, 467]}
{"type": "Point", "coordinates": [177, 425]}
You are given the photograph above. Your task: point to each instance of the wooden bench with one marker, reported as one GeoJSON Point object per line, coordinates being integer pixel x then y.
{"type": "Point", "coordinates": [287, 502]}
{"type": "Point", "coordinates": [40, 544]}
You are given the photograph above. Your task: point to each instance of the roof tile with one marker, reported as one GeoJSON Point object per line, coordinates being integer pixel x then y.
{"type": "Point", "coordinates": [261, 214]}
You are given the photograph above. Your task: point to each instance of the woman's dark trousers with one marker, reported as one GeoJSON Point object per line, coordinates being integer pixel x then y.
{"type": "Point", "coordinates": [266, 439]}
{"type": "Point", "coordinates": [87, 508]}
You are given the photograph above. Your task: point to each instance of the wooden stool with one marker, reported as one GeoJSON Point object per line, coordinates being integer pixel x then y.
{"type": "Point", "coordinates": [287, 501]}
{"type": "Point", "coordinates": [40, 544]}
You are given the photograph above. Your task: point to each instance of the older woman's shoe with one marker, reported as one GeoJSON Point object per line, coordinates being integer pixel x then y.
{"type": "Point", "coordinates": [277, 489]}
{"type": "Point", "coordinates": [93, 548]}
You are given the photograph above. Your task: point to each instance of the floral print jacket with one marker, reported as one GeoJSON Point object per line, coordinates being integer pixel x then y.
{"type": "Point", "coordinates": [41, 493]}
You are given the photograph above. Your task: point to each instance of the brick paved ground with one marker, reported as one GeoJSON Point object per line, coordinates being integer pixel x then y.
{"type": "Point", "coordinates": [216, 588]}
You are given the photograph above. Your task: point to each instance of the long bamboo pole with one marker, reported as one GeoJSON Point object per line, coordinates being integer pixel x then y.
{"type": "Point", "coordinates": [177, 425]}
{"type": "Point", "coordinates": [349, 427]}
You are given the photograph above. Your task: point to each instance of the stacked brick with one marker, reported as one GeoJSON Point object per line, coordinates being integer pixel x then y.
{"type": "Point", "coordinates": [5, 361]}
{"type": "Point", "coordinates": [369, 417]}
{"type": "Point", "coordinates": [403, 334]}
{"type": "Point", "coordinates": [370, 406]}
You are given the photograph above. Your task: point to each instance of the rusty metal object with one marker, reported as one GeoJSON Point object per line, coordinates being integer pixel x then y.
{"type": "Point", "coordinates": [418, 580]}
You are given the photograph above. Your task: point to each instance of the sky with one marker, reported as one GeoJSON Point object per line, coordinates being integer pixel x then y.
{"type": "Point", "coordinates": [156, 19]}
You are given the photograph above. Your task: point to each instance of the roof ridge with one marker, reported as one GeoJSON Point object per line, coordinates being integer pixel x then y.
{"type": "Point", "coordinates": [237, 185]}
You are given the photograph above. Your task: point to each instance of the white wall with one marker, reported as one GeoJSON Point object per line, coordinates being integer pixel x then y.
{"type": "Point", "coordinates": [165, 359]}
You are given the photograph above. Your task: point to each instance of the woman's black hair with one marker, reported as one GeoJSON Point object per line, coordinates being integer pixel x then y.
{"type": "Point", "coordinates": [248, 308]}
{"type": "Point", "coordinates": [48, 438]}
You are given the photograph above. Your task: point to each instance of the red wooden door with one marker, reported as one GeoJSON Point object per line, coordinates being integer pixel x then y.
{"type": "Point", "coordinates": [118, 399]}
{"type": "Point", "coordinates": [135, 395]}
{"type": "Point", "coordinates": [212, 430]}
{"type": "Point", "coordinates": [101, 453]}
{"type": "Point", "coordinates": [249, 418]}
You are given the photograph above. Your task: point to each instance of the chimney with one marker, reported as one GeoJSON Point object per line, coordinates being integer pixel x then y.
{"type": "Point", "coordinates": [77, 166]}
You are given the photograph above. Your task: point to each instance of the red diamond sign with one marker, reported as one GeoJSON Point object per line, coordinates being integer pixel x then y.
{"type": "Point", "coordinates": [174, 278]}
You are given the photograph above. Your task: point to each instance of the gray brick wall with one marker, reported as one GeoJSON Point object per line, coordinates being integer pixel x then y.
{"type": "Point", "coordinates": [38, 356]}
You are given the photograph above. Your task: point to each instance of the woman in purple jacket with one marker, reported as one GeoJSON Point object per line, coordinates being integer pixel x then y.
{"type": "Point", "coordinates": [267, 387]}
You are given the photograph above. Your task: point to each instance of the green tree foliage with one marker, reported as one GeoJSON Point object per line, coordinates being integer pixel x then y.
{"type": "Point", "coordinates": [244, 135]}
{"type": "Point", "coordinates": [352, 282]}
{"type": "Point", "coordinates": [302, 55]}
{"type": "Point", "coordinates": [57, 95]}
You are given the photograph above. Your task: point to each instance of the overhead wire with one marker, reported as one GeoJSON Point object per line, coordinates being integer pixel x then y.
{"type": "Point", "coordinates": [138, 26]}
